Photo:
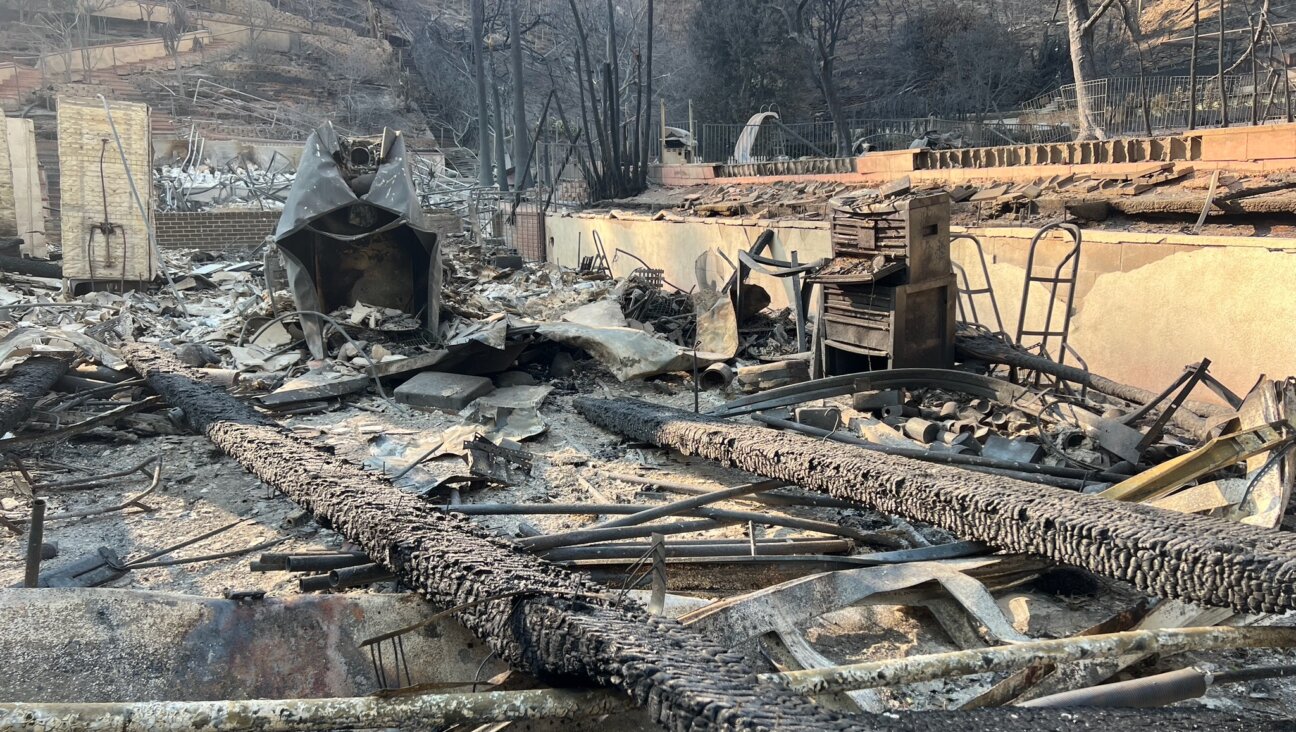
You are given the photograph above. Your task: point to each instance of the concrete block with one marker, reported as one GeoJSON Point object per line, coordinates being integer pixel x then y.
{"type": "Point", "coordinates": [825, 418]}
{"type": "Point", "coordinates": [875, 400]}
{"type": "Point", "coordinates": [439, 390]}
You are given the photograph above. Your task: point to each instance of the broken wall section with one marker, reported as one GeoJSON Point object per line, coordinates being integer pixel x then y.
{"type": "Point", "coordinates": [105, 235]}
{"type": "Point", "coordinates": [29, 204]}
{"type": "Point", "coordinates": [8, 220]}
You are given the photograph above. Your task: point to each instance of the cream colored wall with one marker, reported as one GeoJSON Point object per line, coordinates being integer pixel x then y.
{"type": "Point", "coordinates": [29, 206]}
{"type": "Point", "coordinates": [674, 247]}
{"type": "Point", "coordinates": [8, 213]}
{"type": "Point", "coordinates": [1146, 305]}
{"type": "Point", "coordinates": [82, 128]}
{"type": "Point", "coordinates": [1149, 304]}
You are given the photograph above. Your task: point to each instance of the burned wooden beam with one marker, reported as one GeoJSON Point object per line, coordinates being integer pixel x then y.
{"type": "Point", "coordinates": [27, 382]}
{"type": "Point", "coordinates": [551, 622]}
{"type": "Point", "coordinates": [1173, 555]}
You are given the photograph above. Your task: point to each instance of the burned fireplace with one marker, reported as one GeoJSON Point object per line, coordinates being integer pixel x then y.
{"type": "Point", "coordinates": [889, 292]}
{"type": "Point", "coordinates": [352, 231]}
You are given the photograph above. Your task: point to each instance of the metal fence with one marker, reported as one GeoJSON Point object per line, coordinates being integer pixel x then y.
{"type": "Point", "coordinates": [776, 140]}
{"type": "Point", "coordinates": [1130, 105]}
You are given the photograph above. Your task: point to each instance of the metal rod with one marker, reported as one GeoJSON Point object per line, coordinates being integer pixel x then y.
{"type": "Point", "coordinates": [657, 601]}
{"type": "Point", "coordinates": [916, 669]}
{"type": "Point", "coordinates": [35, 535]}
{"type": "Point", "coordinates": [771, 498]}
{"type": "Point", "coordinates": [718, 514]}
{"type": "Point", "coordinates": [297, 715]}
{"type": "Point", "coordinates": [697, 550]}
{"type": "Point", "coordinates": [593, 536]}
{"type": "Point", "coordinates": [670, 509]}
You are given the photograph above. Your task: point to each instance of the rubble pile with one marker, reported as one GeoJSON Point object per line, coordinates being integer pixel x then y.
{"type": "Point", "coordinates": [847, 512]}
{"type": "Point", "coordinates": [203, 187]}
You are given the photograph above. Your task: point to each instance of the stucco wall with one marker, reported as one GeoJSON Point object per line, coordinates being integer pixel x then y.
{"type": "Point", "coordinates": [1146, 305]}
{"type": "Point", "coordinates": [1149, 304]}
{"type": "Point", "coordinates": [674, 247]}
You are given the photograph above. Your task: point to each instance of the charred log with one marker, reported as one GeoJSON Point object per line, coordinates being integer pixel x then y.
{"type": "Point", "coordinates": [27, 382]}
{"type": "Point", "coordinates": [1162, 553]}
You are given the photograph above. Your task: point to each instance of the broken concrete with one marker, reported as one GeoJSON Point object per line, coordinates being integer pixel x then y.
{"type": "Point", "coordinates": [439, 390]}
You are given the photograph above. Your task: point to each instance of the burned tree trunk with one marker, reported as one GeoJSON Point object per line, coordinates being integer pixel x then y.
{"type": "Point", "coordinates": [521, 141]}
{"type": "Point", "coordinates": [1172, 555]}
{"type": "Point", "coordinates": [485, 175]}
{"type": "Point", "coordinates": [1080, 32]}
{"type": "Point", "coordinates": [27, 382]}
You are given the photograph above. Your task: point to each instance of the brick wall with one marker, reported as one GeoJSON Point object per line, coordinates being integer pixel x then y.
{"type": "Point", "coordinates": [214, 229]}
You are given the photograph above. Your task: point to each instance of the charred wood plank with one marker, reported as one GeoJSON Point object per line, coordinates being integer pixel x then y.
{"type": "Point", "coordinates": [27, 382]}
{"type": "Point", "coordinates": [1163, 553]}
{"type": "Point", "coordinates": [551, 622]}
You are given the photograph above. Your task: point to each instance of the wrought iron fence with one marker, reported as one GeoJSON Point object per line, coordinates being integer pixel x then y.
{"type": "Point", "coordinates": [776, 140]}
{"type": "Point", "coordinates": [1130, 105]}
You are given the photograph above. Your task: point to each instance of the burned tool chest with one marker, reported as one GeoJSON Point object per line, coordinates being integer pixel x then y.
{"type": "Point", "coordinates": [889, 293]}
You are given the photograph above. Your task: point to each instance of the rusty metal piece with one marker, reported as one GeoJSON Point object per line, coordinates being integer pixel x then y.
{"type": "Point", "coordinates": [1013, 686]}
{"type": "Point", "coordinates": [35, 535]}
{"type": "Point", "coordinates": [1186, 557]}
{"type": "Point", "coordinates": [915, 669]}
{"type": "Point", "coordinates": [1220, 452]}
{"type": "Point", "coordinates": [295, 715]}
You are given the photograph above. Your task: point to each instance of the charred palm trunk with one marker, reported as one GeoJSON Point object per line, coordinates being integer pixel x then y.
{"type": "Point", "coordinates": [27, 382]}
{"type": "Point", "coordinates": [1167, 554]}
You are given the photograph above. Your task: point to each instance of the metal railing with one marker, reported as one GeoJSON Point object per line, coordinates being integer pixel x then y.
{"type": "Point", "coordinates": [775, 140]}
{"type": "Point", "coordinates": [1130, 105]}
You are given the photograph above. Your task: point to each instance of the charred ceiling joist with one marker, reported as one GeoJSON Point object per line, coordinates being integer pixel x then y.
{"type": "Point", "coordinates": [1171, 555]}
{"type": "Point", "coordinates": [551, 622]}
{"type": "Point", "coordinates": [27, 382]}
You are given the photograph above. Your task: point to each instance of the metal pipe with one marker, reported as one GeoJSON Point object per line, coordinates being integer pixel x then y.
{"type": "Point", "coordinates": [675, 507]}
{"type": "Point", "coordinates": [593, 536]}
{"type": "Point", "coordinates": [298, 715]}
{"type": "Point", "coordinates": [771, 498]}
{"type": "Point", "coordinates": [915, 669]}
{"type": "Point", "coordinates": [717, 376]}
{"type": "Point", "coordinates": [718, 514]}
{"type": "Point", "coordinates": [35, 536]}
{"type": "Point", "coordinates": [355, 576]}
{"type": "Point", "coordinates": [714, 549]}
{"type": "Point", "coordinates": [1157, 690]}
{"type": "Point", "coordinates": [323, 562]}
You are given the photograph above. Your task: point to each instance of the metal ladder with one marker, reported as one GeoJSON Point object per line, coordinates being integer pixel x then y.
{"type": "Point", "coordinates": [965, 287]}
{"type": "Point", "coordinates": [1052, 339]}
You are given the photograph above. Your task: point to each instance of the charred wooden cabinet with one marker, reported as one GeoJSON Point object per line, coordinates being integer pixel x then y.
{"type": "Point", "coordinates": [889, 293]}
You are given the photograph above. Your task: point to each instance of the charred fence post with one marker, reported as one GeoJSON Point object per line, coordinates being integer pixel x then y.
{"type": "Point", "coordinates": [555, 624]}
{"type": "Point", "coordinates": [1167, 554]}
{"type": "Point", "coordinates": [29, 381]}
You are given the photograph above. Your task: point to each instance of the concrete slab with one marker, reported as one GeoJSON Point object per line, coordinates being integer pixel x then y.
{"type": "Point", "coordinates": [439, 390]}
